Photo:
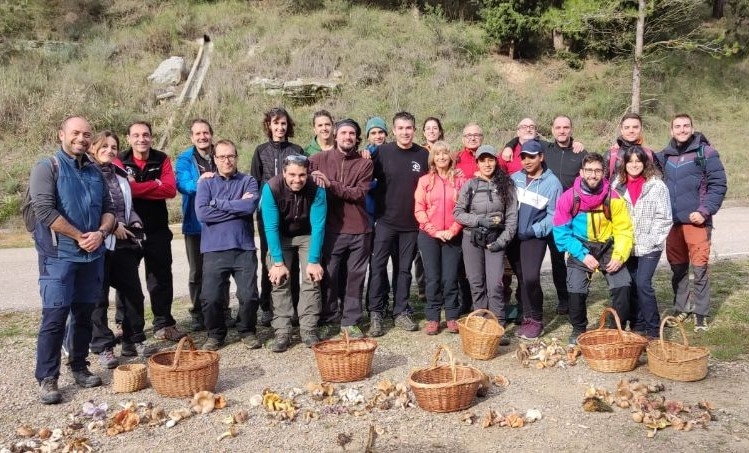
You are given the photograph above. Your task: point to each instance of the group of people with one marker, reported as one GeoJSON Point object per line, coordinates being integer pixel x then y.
{"type": "Point", "coordinates": [339, 210]}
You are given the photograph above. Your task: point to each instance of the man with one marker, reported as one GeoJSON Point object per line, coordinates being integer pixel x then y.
{"type": "Point", "coordinates": [597, 232]}
{"type": "Point", "coordinates": [510, 161]}
{"type": "Point", "coordinates": [697, 183]}
{"type": "Point", "coordinates": [152, 182]}
{"type": "Point", "coordinates": [346, 175]}
{"type": "Point", "coordinates": [397, 168]}
{"type": "Point", "coordinates": [294, 210]}
{"type": "Point", "coordinates": [193, 165]}
{"type": "Point", "coordinates": [561, 158]}
{"type": "Point", "coordinates": [322, 123]}
{"type": "Point", "coordinates": [537, 192]}
{"type": "Point", "coordinates": [74, 214]}
{"type": "Point", "coordinates": [225, 204]}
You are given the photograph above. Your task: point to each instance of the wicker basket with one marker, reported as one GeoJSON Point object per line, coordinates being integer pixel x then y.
{"type": "Point", "coordinates": [445, 388]}
{"type": "Point", "coordinates": [344, 360]}
{"type": "Point", "coordinates": [129, 378]}
{"type": "Point", "coordinates": [678, 362]}
{"type": "Point", "coordinates": [611, 350]}
{"type": "Point", "coordinates": [183, 372]}
{"type": "Point", "coordinates": [480, 336]}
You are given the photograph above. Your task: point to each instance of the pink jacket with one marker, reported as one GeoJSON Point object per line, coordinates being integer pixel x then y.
{"type": "Point", "coordinates": [435, 201]}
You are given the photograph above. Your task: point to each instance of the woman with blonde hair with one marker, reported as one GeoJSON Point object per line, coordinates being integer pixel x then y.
{"type": "Point", "coordinates": [440, 237]}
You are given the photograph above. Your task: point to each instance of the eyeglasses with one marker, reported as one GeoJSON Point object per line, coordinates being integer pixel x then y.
{"type": "Point", "coordinates": [530, 127]}
{"type": "Point", "coordinates": [297, 159]}
{"type": "Point", "coordinates": [593, 171]}
{"type": "Point", "coordinates": [473, 135]}
{"type": "Point", "coordinates": [230, 158]}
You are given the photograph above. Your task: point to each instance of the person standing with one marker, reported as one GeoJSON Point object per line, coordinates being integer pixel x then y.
{"type": "Point", "coordinates": [465, 159]}
{"type": "Point", "coordinates": [74, 215]}
{"type": "Point", "coordinates": [224, 205]}
{"type": "Point", "coordinates": [322, 123]}
{"type": "Point", "coordinates": [433, 132]}
{"type": "Point", "coordinates": [639, 184]}
{"type": "Point", "coordinates": [346, 176]}
{"type": "Point", "coordinates": [294, 212]}
{"type": "Point", "coordinates": [440, 237]}
{"type": "Point", "coordinates": [397, 168]}
{"type": "Point", "coordinates": [630, 136]}
{"type": "Point", "coordinates": [697, 185]}
{"type": "Point", "coordinates": [152, 182]}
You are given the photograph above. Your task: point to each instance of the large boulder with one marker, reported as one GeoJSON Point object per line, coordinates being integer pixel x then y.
{"type": "Point", "coordinates": [169, 72]}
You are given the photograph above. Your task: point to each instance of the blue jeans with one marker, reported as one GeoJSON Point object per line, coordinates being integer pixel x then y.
{"type": "Point", "coordinates": [643, 305]}
{"type": "Point", "coordinates": [66, 289]}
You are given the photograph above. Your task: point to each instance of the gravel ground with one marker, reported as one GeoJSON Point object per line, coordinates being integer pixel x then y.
{"type": "Point", "coordinates": [557, 393]}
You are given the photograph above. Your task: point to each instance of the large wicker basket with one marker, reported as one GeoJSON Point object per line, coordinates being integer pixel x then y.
{"type": "Point", "coordinates": [611, 350]}
{"type": "Point", "coordinates": [480, 336]}
{"type": "Point", "coordinates": [129, 378]}
{"type": "Point", "coordinates": [183, 372]}
{"type": "Point", "coordinates": [344, 360]}
{"type": "Point", "coordinates": [445, 387]}
{"type": "Point", "coordinates": [678, 362]}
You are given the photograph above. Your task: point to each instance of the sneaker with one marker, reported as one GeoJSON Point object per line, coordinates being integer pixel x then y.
{"type": "Point", "coordinates": [229, 320]}
{"type": "Point", "coordinates": [519, 331]}
{"type": "Point", "coordinates": [266, 318]}
{"type": "Point", "coordinates": [573, 337]}
{"type": "Point", "coordinates": [107, 359]}
{"type": "Point", "coordinates": [405, 322]}
{"type": "Point", "coordinates": [309, 337]}
{"type": "Point", "coordinates": [118, 332]}
{"type": "Point", "coordinates": [700, 323]}
{"type": "Point", "coordinates": [212, 344]}
{"type": "Point", "coordinates": [251, 341]}
{"type": "Point", "coordinates": [531, 329]}
{"type": "Point", "coordinates": [354, 332]}
{"type": "Point", "coordinates": [432, 328]}
{"type": "Point", "coordinates": [171, 333]}
{"type": "Point", "coordinates": [48, 391]}
{"type": "Point", "coordinates": [680, 317]}
{"type": "Point", "coordinates": [375, 325]}
{"type": "Point", "coordinates": [504, 341]}
{"type": "Point", "coordinates": [197, 324]}
{"type": "Point", "coordinates": [136, 350]}
{"type": "Point", "coordinates": [86, 379]}
{"type": "Point", "coordinates": [452, 326]}
{"type": "Point", "coordinates": [328, 330]}
{"type": "Point", "coordinates": [281, 342]}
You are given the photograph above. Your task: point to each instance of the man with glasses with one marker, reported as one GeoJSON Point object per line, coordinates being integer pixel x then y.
{"type": "Point", "coordinates": [294, 211]}
{"type": "Point", "coordinates": [597, 232]}
{"type": "Point", "coordinates": [465, 159]}
{"type": "Point", "coordinates": [225, 204]}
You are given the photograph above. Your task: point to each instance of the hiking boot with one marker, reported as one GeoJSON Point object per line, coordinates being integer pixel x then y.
{"type": "Point", "coordinates": [266, 318]}
{"type": "Point", "coordinates": [375, 325]}
{"type": "Point", "coordinates": [680, 317]}
{"type": "Point", "coordinates": [309, 337]}
{"type": "Point", "coordinates": [700, 323]}
{"type": "Point", "coordinates": [136, 350]}
{"type": "Point", "coordinates": [228, 319]}
{"type": "Point", "coordinates": [197, 324]}
{"type": "Point", "coordinates": [107, 359]}
{"type": "Point", "coordinates": [452, 326]}
{"type": "Point", "coordinates": [531, 329]}
{"type": "Point", "coordinates": [405, 322]}
{"type": "Point", "coordinates": [432, 328]}
{"type": "Point", "coordinates": [251, 341]}
{"type": "Point", "coordinates": [280, 343]}
{"type": "Point", "coordinates": [573, 337]}
{"type": "Point", "coordinates": [48, 391]}
{"type": "Point", "coordinates": [118, 332]}
{"type": "Point", "coordinates": [328, 330]}
{"type": "Point", "coordinates": [505, 340]}
{"type": "Point", "coordinates": [171, 333]}
{"type": "Point", "coordinates": [354, 332]}
{"type": "Point", "coordinates": [86, 379]}
{"type": "Point", "coordinates": [212, 344]}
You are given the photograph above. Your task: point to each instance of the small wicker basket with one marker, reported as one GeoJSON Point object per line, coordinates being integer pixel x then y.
{"type": "Point", "coordinates": [611, 350]}
{"type": "Point", "coordinates": [445, 387]}
{"type": "Point", "coordinates": [480, 336]}
{"type": "Point", "coordinates": [182, 372]}
{"type": "Point", "coordinates": [129, 378]}
{"type": "Point", "coordinates": [678, 362]}
{"type": "Point", "coordinates": [344, 360]}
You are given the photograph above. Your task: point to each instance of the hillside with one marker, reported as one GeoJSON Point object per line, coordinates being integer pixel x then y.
{"type": "Point", "coordinates": [384, 61]}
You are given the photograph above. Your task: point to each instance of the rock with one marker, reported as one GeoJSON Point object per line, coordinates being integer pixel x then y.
{"type": "Point", "coordinates": [169, 71]}
{"type": "Point", "coordinates": [308, 88]}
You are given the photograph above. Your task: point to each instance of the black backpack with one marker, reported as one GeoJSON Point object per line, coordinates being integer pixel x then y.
{"type": "Point", "coordinates": [27, 210]}
{"type": "Point", "coordinates": [606, 207]}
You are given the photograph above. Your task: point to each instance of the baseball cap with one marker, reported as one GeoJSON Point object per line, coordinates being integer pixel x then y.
{"type": "Point", "coordinates": [486, 150]}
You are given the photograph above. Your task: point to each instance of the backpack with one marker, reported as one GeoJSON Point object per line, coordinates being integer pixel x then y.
{"type": "Point", "coordinates": [27, 210]}
{"type": "Point", "coordinates": [606, 208]}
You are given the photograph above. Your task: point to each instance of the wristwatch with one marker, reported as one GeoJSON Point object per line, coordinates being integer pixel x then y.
{"type": "Point", "coordinates": [104, 233]}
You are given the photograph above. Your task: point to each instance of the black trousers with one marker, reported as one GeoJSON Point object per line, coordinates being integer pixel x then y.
{"type": "Point", "coordinates": [441, 263]}
{"type": "Point", "coordinates": [350, 252]}
{"type": "Point", "coordinates": [403, 245]}
{"type": "Point", "coordinates": [526, 258]}
{"type": "Point", "coordinates": [558, 271]}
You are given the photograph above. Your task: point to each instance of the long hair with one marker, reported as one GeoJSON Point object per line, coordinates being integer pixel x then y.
{"type": "Point", "coordinates": [440, 147]}
{"type": "Point", "coordinates": [439, 126]}
{"type": "Point", "coordinates": [99, 140]}
{"type": "Point", "coordinates": [648, 170]}
{"type": "Point", "coordinates": [278, 112]}
{"type": "Point", "coordinates": [504, 185]}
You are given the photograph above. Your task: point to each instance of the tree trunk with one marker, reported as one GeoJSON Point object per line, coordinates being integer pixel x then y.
{"type": "Point", "coordinates": [558, 40]}
{"type": "Point", "coordinates": [637, 66]}
{"type": "Point", "coordinates": [718, 6]}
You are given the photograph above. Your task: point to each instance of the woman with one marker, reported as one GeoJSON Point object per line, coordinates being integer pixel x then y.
{"type": "Point", "coordinates": [487, 208]}
{"type": "Point", "coordinates": [439, 237]}
{"type": "Point", "coordinates": [433, 132]}
{"type": "Point", "coordinates": [649, 206]}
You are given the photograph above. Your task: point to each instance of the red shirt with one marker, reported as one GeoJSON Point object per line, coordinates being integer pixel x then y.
{"type": "Point", "coordinates": [465, 160]}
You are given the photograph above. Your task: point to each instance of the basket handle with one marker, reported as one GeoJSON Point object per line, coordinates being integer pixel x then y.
{"type": "Point", "coordinates": [347, 339]}
{"type": "Point", "coordinates": [602, 324]}
{"type": "Point", "coordinates": [479, 314]}
{"type": "Point", "coordinates": [180, 348]}
{"type": "Point", "coordinates": [436, 360]}
{"type": "Point", "coordinates": [681, 328]}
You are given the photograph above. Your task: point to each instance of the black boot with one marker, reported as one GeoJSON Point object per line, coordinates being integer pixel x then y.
{"type": "Point", "coordinates": [620, 303]}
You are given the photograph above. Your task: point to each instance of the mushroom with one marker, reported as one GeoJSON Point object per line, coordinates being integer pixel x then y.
{"type": "Point", "coordinates": [203, 402]}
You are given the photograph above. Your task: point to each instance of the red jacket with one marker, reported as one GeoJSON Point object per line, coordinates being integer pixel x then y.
{"type": "Point", "coordinates": [515, 164]}
{"type": "Point", "coordinates": [435, 200]}
{"type": "Point", "coordinates": [465, 160]}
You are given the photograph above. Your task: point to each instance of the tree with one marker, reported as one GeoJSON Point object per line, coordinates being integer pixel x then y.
{"type": "Point", "coordinates": [514, 24]}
